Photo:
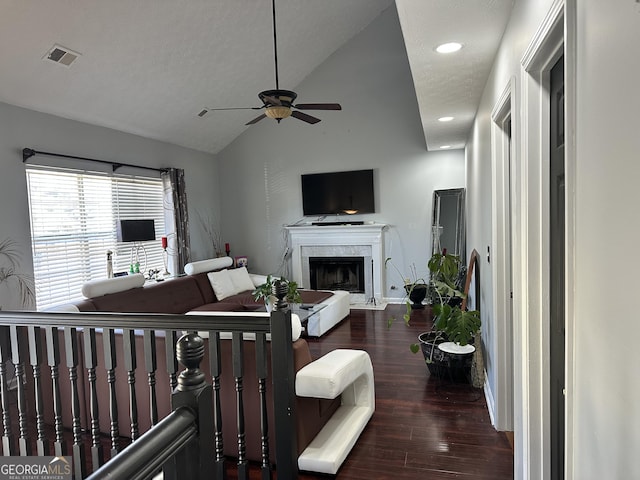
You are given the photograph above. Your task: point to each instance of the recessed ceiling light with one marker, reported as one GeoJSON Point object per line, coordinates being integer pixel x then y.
{"type": "Point", "coordinates": [445, 119]}
{"type": "Point", "coordinates": [444, 147]}
{"type": "Point", "coordinates": [449, 47]}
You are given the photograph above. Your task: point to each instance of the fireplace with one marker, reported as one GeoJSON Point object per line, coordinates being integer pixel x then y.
{"type": "Point", "coordinates": [338, 244]}
{"type": "Point", "coordinates": [337, 273]}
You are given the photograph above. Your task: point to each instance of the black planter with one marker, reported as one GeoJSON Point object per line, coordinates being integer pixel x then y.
{"type": "Point", "coordinates": [417, 293]}
{"type": "Point", "coordinates": [452, 366]}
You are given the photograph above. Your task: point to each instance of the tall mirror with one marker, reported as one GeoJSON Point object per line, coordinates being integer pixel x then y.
{"type": "Point", "coordinates": [448, 224]}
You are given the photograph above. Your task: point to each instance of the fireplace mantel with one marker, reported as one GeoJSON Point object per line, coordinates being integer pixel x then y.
{"type": "Point", "coordinates": [364, 240]}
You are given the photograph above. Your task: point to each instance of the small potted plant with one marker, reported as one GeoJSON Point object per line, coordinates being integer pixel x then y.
{"type": "Point", "coordinates": [265, 292]}
{"type": "Point", "coordinates": [415, 288]}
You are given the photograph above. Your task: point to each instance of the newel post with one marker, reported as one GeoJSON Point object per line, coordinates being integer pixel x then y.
{"type": "Point", "coordinates": [196, 460]}
{"type": "Point", "coordinates": [284, 395]}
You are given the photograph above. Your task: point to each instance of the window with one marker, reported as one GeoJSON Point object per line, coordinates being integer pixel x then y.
{"type": "Point", "coordinates": [73, 225]}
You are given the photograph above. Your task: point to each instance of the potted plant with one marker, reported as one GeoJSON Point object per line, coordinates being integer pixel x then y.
{"type": "Point", "coordinates": [265, 292]}
{"type": "Point", "coordinates": [415, 288]}
{"type": "Point", "coordinates": [450, 322]}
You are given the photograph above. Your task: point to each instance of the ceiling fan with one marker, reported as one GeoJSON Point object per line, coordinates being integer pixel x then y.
{"type": "Point", "coordinates": [277, 103]}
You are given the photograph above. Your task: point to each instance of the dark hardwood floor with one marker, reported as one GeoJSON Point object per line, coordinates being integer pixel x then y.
{"type": "Point", "coordinates": [423, 427]}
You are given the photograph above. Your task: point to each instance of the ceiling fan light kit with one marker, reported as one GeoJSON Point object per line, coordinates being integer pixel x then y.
{"type": "Point", "coordinates": [278, 104]}
{"type": "Point", "coordinates": [278, 112]}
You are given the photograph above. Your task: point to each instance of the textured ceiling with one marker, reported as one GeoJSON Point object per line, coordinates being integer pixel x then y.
{"type": "Point", "coordinates": [149, 66]}
{"type": "Point", "coordinates": [451, 84]}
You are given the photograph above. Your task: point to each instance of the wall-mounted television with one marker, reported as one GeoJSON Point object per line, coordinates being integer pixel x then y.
{"type": "Point", "coordinates": [338, 193]}
{"type": "Point", "coordinates": [136, 230]}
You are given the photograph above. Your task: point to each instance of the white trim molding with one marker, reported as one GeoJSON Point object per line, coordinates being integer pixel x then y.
{"type": "Point", "coordinates": [502, 240]}
{"type": "Point", "coordinates": [531, 273]}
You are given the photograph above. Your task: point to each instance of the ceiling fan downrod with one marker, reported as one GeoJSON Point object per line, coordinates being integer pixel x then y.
{"type": "Point", "coordinates": [275, 43]}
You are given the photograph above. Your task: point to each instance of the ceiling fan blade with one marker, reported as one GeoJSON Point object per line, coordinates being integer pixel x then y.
{"type": "Point", "coordinates": [318, 106]}
{"type": "Point", "coordinates": [304, 117]}
{"type": "Point", "coordinates": [256, 120]}
{"type": "Point", "coordinates": [234, 108]}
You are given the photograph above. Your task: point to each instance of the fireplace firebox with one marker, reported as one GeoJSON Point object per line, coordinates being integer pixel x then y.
{"type": "Point", "coordinates": [337, 273]}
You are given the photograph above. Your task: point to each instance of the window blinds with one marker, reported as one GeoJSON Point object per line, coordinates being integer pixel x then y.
{"type": "Point", "coordinates": [73, 225]}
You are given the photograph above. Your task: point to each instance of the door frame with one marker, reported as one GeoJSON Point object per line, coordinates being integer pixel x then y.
{"type": "Point", "coordinates": [555, 36]}
{"type": "Point", "coordinates": [502, 208]}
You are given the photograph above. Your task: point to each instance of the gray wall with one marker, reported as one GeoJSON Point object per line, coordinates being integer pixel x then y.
{"type": "Point", "coordinates": [379, 127]}
{"type": "Point", "coordinates": [20, 128]}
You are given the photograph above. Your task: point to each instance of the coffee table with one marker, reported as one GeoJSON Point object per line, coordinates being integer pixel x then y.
{"type": "Point", "coordinates": [306, 311]}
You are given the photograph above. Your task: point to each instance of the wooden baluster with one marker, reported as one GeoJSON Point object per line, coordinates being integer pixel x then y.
{"type": "Point", "coordinates": [216, 369]}
{"type": "Point", "coordinates": [110, 364]}
{"type": "Point", "coordinates": [151, 365]}
{"type": "Point", "coordinates": [53, 359]}
{"type": "Point", "coordinates": [261, 372]}
{"type": "Point", "coordinates": [71, 350]}
{"type": "Point", "coordinates": [35, 357]}
{"type": "Point", "coordinates": [91, 362]}
{"type": "Point", "coordinates": [17, 357]}
{"type": "Point", "coordinates": [129, 344]}
{"type": "Point", "coordinates": [238, 372]}
{"type": "Point", "coordinates": [8, 447]}
{"type": "Point", "coordinates": [170, 340]}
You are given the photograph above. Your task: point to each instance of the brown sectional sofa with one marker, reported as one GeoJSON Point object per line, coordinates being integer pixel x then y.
{"type": "Point", "coordinates": [179, 296]}
{"type": "Point", "coordinates": [193, 293]}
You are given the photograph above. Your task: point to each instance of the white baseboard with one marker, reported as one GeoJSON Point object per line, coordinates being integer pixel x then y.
{"type": "Point", "coordinates": [491, 403]}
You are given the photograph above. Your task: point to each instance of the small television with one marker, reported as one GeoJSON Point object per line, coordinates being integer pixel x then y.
{"type": "Point", "coordinates": [136, 230]}
{"type": "Point", "coordinates": [338, 193]}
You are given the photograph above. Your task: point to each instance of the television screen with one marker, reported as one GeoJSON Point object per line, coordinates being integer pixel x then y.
{"type": "Point", "coordinates": [136, 230]}
{"type": "Point", "coordinates": [337, 193]}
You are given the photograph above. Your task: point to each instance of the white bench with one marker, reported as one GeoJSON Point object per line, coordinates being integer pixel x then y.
{"type": "Point", "coordinates": [344, 373]}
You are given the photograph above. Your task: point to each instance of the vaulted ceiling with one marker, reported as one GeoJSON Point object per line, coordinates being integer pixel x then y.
{"type": "Point", "coordinates": [149, 67]}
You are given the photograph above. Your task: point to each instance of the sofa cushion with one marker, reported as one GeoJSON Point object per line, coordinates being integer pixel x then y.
{"type": "Point", "coordinates": [171, 296]}
{"type": "Point", "coordinates": [204, 286]}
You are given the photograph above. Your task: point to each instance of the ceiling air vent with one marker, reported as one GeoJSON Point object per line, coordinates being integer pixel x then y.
{"type": "Point", "coordinates": [61, 55]}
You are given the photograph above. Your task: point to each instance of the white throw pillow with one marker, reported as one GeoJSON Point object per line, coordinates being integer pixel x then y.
{"type": "Point", "coordinates": [241, 279]}
{"type": "Point", "coordinates": [222, 284]}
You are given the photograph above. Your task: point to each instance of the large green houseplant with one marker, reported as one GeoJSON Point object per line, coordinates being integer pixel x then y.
{"type": "Point", "coordinates": [451, 323]}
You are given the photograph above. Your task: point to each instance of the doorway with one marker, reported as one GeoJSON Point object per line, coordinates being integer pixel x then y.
{"type": "Point", "coordinates": [501, 261]}
{"type": "Point", "coordinates": [557, 227]}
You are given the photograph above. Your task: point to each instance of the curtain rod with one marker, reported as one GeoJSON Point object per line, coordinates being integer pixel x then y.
{"type": "Point", "coordinates": [27, 153]}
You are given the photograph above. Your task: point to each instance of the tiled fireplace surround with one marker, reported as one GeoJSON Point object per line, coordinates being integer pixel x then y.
{"type": "Point", "coordinates": [340, 241]}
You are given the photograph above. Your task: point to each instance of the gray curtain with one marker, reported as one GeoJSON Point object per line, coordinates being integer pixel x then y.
{"type": "Point", "coordinates": [176, 219]}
